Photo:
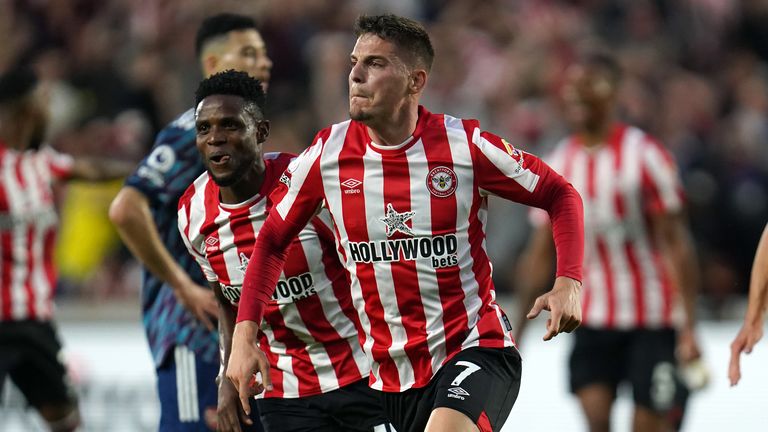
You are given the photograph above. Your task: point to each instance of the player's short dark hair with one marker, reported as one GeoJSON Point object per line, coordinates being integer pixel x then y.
{"type": "Point", "coordinates": [219, 25]}
{"type": "Point", "coordinates": [236, 83]}
{"type": "Point", "coordinates": [604, 61]}
{"type": "Point", "coordinates": [405, 33]}
{"type": "Point", "coordinates": [17, 84]}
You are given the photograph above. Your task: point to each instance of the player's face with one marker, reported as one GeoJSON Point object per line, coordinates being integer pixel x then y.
{"type": "Point", "coordinates": [245, 51]}
{"type": "Point", "coordinates": [378, 81]}
{"type": "Point", "coordinates": [228, 138]}
{"type": "Point", "coordinates": [588, 95]}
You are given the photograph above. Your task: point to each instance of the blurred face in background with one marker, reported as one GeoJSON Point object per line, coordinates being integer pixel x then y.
{"type": "Point", "coordinates": [378, 81]}
{"type": "Point", "coordinates": [229, 138]}
{"type": "Point", "coordinates": [241, 50]}
{"type": "Point", "coordinates": [588, 97]}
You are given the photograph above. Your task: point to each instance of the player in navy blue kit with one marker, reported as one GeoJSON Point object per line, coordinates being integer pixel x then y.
{"type": "Point", "coordinates": [179, 310]}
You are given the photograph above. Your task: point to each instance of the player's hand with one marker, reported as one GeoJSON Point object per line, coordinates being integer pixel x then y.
{"type": "Point", "coordinates": [564, 304]}
{"type": "Point", "coordinates": [687, 346]}
{"type": "Point", "coordinates": [229, 412]}
{"type": "Point", "coordinates": [245, 361]}
{"type": "Point", "coordinates": [200, 301]}
{"type": "Point", "coordinates": [744, 342]}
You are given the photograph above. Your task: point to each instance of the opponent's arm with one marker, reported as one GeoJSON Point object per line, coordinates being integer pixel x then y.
{"type": "Point", "coordinates": [752, 329]}
{"type": "Point", "coordinates": [130, 213]}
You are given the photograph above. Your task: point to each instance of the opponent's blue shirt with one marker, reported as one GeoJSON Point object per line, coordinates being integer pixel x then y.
{"type": "Point", "coordinates": [163, 176]}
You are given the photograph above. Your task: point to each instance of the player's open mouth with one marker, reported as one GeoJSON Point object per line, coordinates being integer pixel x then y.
{"type": "Point", "coordinates": [219, 159]}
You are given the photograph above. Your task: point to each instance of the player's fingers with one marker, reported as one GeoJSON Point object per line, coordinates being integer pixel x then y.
{"type": "Point", "coordinates": [538, 306]}
{"type": "Point", "coordinates": [244, 393]}
{"type": "Point", "coordinates": [244, 418]}
{"type": "Point", "coordinates": [266, 379]}
{"type": "Point", "coordinates": [734, 369]}
{"type": "Point", "coordinates": [553, 323]}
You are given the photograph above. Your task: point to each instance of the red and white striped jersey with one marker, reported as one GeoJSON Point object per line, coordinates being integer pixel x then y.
{"type": "Point", "coordinates": [310, 330]}
{"type": "Point", "coordinates": [410, 224]}
{"type": "Point", "coordinates": [623, 183]}
{"type": "Point", "coordinates": [28, 224]}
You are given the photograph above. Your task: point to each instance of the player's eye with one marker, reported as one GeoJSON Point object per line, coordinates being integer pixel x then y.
{"type": "Point", "coordinates": [202, 128]}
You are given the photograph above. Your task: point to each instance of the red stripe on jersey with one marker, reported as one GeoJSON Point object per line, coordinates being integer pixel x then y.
{"type": "Point", "coordinates": [297, 349]}
{"type": "Point", "coordinates": [397, 192]}
{"type": "Point", "coordinates": [6, 251]}
{"type": "Point", "coordinates": [489, 327]}
{"type": "Point", "coordinates": [5, 277]}
{"type": "Point", "coordinates": [438, 153]}
{"type": "Point", "coordinates": [49, 246]}
{"type": "Point", "coordinates": [336, 273]}
{"type": "Point", "coordinates": [27, 247]}
{"type": "Point", "coordinates": [637, 281]}
{"type": "Point", "coordinates": [610, 289]}
{"type": "Point", "coordinates": [353, 214]}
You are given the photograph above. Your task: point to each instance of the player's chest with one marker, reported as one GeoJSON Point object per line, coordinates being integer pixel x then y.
{"type": "Point", "coordinates": [410, 195]}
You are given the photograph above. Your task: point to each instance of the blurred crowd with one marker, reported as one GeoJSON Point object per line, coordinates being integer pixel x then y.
{"type": "Point", "coordinates": [695, 76]}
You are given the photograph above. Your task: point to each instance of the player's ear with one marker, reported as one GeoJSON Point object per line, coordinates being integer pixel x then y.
{"type": "Point", "coordinates": [210, 62]}
{"type": "Point", "coordinates": [417, 80]}
{"type": "Point", "coordinates": [262, 130]}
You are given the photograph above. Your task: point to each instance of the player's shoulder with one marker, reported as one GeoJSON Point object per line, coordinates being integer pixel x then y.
{"type": "Point", "coordinates": [198, 187]}
{"type": "Point", "coordinates": [185, 121]}
{"type": "Point", "coordinates": [279, 160]}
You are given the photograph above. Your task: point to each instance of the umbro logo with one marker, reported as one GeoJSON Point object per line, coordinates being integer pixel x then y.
{"type": "Point", "coordinates": [211, 244]}
{"type": "Point", "coordinates": [351, 186]}
{"type": "Point", "coordinates": [457, 393]}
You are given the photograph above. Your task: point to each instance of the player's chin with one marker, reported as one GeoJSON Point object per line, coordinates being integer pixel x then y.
{"type": "Point", "coordinates": [358, 114]}
{"type": "Point", "coordinates": [223, 179]}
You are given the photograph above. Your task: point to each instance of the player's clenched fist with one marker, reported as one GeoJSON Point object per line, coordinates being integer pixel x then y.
{"type": "Point", "coordinates": [564, 304]}
{"type": "Point", "coordinates": [245, 361]}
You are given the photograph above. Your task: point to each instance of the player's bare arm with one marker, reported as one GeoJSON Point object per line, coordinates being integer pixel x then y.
{"type": "Point", "coordinates": [229, 411]}
{"type": "Point", "coordinates": [131, 215]}
{"type": "Point", "coordinates": [533, 273]}
{"type": "Point", "coordinates": [752, 329]}
{"type": "Point", "coordinates": [672, 234]}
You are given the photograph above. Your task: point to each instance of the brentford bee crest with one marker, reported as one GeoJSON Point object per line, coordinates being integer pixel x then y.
{"type": "Point", "coordinates": [442, 182]}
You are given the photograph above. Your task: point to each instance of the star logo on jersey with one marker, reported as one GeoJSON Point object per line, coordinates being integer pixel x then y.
{"type": "Point", "coordinates": [396, 221]}
{"type": "Point", "coordinates": [243, 263]}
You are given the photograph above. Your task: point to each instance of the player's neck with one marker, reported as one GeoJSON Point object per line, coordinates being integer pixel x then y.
{"type": "Point", "coordinates": [245, 188]}
{"type": "Point", "coordinates": [596, 135]}
{"type": "Point", "coordinates": [394, 130]}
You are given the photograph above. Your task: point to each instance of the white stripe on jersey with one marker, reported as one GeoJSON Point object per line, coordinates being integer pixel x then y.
{"type": "Point", "coordinates": [16, 201]}
{"type": "Point", "coordinates": [509, 166]}
{"type": "Point", "coordinates": [374, 198]}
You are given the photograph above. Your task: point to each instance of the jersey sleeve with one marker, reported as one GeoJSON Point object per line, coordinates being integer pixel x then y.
{"type": "Point", "coordinates": [194, 243]}
{"type": "Point", "coordinates": [297, 199]}
{"type": "Point", "coordinates": [661, 185]}
{"type": "Point", "coordinates": [172, 164]}
{"type": "Point", "coordinates": [512, 174]}
{"type": "Point", "coordinates": [59, 164]}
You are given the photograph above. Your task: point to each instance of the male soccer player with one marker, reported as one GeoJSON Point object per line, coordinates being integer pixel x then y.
{"type": "Point", "coordinates": [639, 257]}
{"type": "Point", "coordinates": [407, 191]}
{"type": "Point", "coordinates": [310, 330]}
{"type": "Point", "coordinates": [30, 351]}
{"type": "Point", "coordinates": [752, 330]}
{"type": "Point", "coordinates": [178, 308]}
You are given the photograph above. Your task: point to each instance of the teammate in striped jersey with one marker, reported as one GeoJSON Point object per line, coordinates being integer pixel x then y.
{"type": "Point", "coordinates": [30, 352]}
{"type": "Point", "coordinates": [639, 259]}
{"type": "Point", "coordinates": [407, 192]}
{"type": "Point", "coordinates": [310, 331]}
{"type": "Point", "coordinates": [177, 306]}
{"type": "Point", "coordinates": [752, 330]}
